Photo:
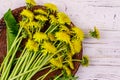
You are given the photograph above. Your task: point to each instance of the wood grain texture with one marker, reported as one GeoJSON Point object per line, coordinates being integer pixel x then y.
{"type": "Point", "coordinates": [105, 14]}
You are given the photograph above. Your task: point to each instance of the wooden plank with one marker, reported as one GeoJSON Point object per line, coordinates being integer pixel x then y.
{"type": "Point", "coordinates": [99, 73]}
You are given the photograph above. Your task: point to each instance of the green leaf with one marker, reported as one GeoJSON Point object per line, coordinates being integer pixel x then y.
{"type": "Point", "coordinates": [66, 77]}
{"type": "Point", "coordinates": [12, 28]}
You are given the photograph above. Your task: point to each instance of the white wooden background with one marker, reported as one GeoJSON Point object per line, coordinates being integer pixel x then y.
{"type": "Point", "coordinates": [105, 14]}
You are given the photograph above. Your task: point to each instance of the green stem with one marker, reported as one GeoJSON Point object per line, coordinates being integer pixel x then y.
{"type": "Point", "coordinates": [45, 75]}
{"type": "Point", "coordinates": [22, 74]}
{"type": "Point", "coordinates": [36, 64]}
{"type": "Point", "coordinates": [24, 64]}
{"type": "Point", "coordinates": [36, 60]}
{"type": "Point", "coordinates": [8, 68]}
{"type": "Point", "coordinates": [29, 63]}
{"type": "Point", "coordinates": [18, 66]}
{"type": "Point", "coordinates": [40, 64]}
{"type": "Point", "coordinates": [58, 76]}
{"type": "Point", "coordinates": [48, 28]}
{"type": "Point", "coordinates": [6, 60]}
{"type": "Point", "coordinates": [59, 44]}
{"type": "Point", "coordinates": [46, 60]}
{"type": "Point", "coordinates": [18, 62]}
{"type": "Point", "coordinates": [77, 60]}
{"type": "Point", "coordinates": [55, 42]}
{"type": "Point", "coordinates": [30, 56]}
{"type": "Point", "coordinates": [53, 28]}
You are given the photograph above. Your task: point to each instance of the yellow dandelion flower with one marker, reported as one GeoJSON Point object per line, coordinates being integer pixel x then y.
{"type": "Point", "coordinates": [76, 45]}
{"type": "Point", "coordinates": [95, 33]}
{"type": "Point", "coordinates": [68, 71]}
{"type": "Point", "coordinates": [63, 18]}
{"type": "Point", "coordinates": [26, 27]}
{"type": "Point", "coordinates": [39, 36]}
{"type": "Point", "coordinates": [41, 11]}
{"type": "Point", "coordinates": [27, 13]}
{"type": "Point", "coordinates": [64, 28]}
{"type": "Point", "coordinates": [41, 18]}
{"type": "Point", "coordinates": [71, 48]}
{"type": "Point", "coordinates": [69, 60]}
{"type": "Point", "coordinates": [48, 47]}
{"type": "Point", "coordinates": [78, 33]}
{"type": "Point", "coordinates": [32, 24]}
{"type": "Point", "coordinates": [31, 2]}
{"type": "Point", "coordinates": [35, 24]}
{"type": "Point", "coordinates": [22, 23]}
{"type": "Point", "coordinates": [56, 63]}
{"type": "Point", "coordinates": [62, 36]}
{"type": "Point", "coordinates": [53, 19]}
{"type": "Point", "coordinates": [51, 37]}
{"type": "Point", "coordinates": [51, 6]}
{"type": "Point", "coordinates": [32, 45]}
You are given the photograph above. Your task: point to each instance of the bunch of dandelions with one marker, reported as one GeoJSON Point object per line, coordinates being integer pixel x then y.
{"type": "Point", "coordinates": [44, 48]}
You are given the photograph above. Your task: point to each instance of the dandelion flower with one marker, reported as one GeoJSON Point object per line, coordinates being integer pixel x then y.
{"type": "Point", "coordinates": [32, 24]}
{"type": "Point", "coordinates": [35, 24]}
{"type": "Point", "coordinates": [68, 71]}
{"type": "Point", "coordinates": [85, 61]}
{"type": "Point", "coordinates": [71, 48]}
{"type": "Point", "coordinates": [48, 47]}
{"type": "Point", "coordinates": [53, 19]}
{"type": "Point", "coordinates": [76, 45]}
{"type": "Point", "coordinates": [95, 33]}
{"type": "Point", "coordinates": [26, 27]}
{"type": "Point", "coordinates": [41, 17]}
{"type": "Point", "coordinates": [32, 45]}
{"type": "Point", "coordinates": [62, 36]}
{"type": "Point", "coordinates": [51, 37]}
{"type": "Point", "coordinates": [39, 36]}
{"type": "Point", "coordinates": [22, 24]}
{"type": "Point", "coordinates": [69, 60]}
{"type": "Point", "coordinates": [27, 13]}
{"type": "Point", "coordinates": [64, 28]}
{"type": "Point", "coordinates": [63, 18]}
{"type": "Point", "coordinates": [55, 63]}
{"type": "Point", "coordinates": [41, 11]}
{"type": "Point", "coordinates": [31, 2]}
{"type": "Point", "coordinates": [78, 33]}
{"type": "Point", "coordinates": [51, 7]}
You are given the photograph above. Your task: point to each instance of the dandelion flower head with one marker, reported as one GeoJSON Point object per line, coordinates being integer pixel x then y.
{"type": "Point", "coordinates": [32, 2]}
{"type": "Point", "coordinates": [56, 63]}
{"type": "Point", "coordinates": [85, 61]}
{"type": "Point", "coordinates": [76, 45]}
{"type": "Point", "coordinates": [68, 71]}
{"type": "Point", "coordinates": [32, 45]}
{"type": "Point", "coordinates": [53, 19]}
{"type": "Point", "coordinates": [48, 47]}
{"type": "Point", "coordinates": [51, 6]}
{"type": "Point", "coordinates": [41, 17]}
{"type": "Point", "coordinates": [40, 36]}
{"type": "Point", "coordinates": [40, 11]}
{"type": "Point", "coordinates": [95, 33]}
{"type": "Point", "coordinates": [27, 13]}
{"type": "Point", "coordinates": [63, 18]}
{"type": "Point", "coordinates": [62, 36]}
{"type": "Point", "coordinates": [78, 33]}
